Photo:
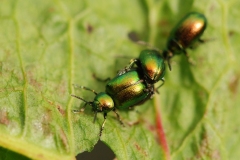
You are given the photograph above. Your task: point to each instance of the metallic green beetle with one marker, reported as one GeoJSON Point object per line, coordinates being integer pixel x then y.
{"type": "Point", "coordinates": [184, 35]}
{"type": "Point", "coordinates": [101, 103]}
{"type": "Point", "coordinates": [122, 92]}
{"type": "Point", "coordinates": [129, 89]}
{"type": "Point", "coordinates": [152, 65]}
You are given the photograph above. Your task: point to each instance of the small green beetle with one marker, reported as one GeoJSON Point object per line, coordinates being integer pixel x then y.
{"type": "Point", "coordinates": [184, 35]}
{"type": "Point", "coordinates": [101, 103]}
{"type": "Point", "coordinates": [129, 89]}
{"type": "Point", "coordinates": [152, 65]}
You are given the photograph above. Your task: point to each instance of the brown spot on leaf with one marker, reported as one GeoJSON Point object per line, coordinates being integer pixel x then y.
{"type": "Point", "coordinates": [64, 140]}
{"type": "Point", "coordinates": [212, 7]}
{"type": "Point", "coordinates": [46, 119]}
{"type": "Point", "coordinates": [50, 102]}
{"type": "Point", "coordinates": [201, 60]}
{"type": "Point", "coordinates": [32, 80]}
{"type": "Point", "coordinates": [40, 156]}
{"type": "Point", "coordinates": [231, 33]}
{"type": "Point", "coordinates": [7, 55]}
{"type": "Point", "coordinates": [140, 149]}
{"type": "Point", "coordinates": [132, 123]}
{"type": "Point", "coordinates": [1, 68]}
{"type": "Point", "coordinates": [61, 88]}
{"type": "Point", "coordinates": [60, 110]}
{"type": "Point", "coordinates": [4, 118]}
{"type": "Point", "coordinates": [89, 28]}
{"type": "Point", "coordinates": [206, 150]}
{"type": "Point", "coordinates": [163, 23]}
{"type": "Point", "coordinates": [233, 84]}
{"type": "Point", "coordinates": [216, 155]}
{"type": "Point", "coordinates": [133, 36]}
{"type": "Point", "coordinates": [51, 9]}
{"type": "Point", "coordinates": [203, 150]}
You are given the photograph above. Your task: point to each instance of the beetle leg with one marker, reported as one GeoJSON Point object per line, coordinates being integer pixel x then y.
{"type": "Point", "coordinates": [150, 90]}
{"type": "Point", "coordinates": [134, 38]}
{"type": "Point", "coordinates": [143, 43]}
{"type": "Point", "coordinates": [82, 109]}
{"type": "Point", "coordinates": [99, 79]}
{"type": "Point", "coordinates": [185, 52]}
{"type": "Point", "coordinates": [201, 40]}
{"type": "Point", "coordinates": [95, 116]}
{"type": "Point", "coordinates": [102, 127]}
{"type": "Point", "coordinates": [169, 64]}
{"type": "Point", "coordinates": [167, 55]}
{"type": "Point", "coordinates": [118, 117]}
{"type": "Point", "coordinates": [189, 59]}
{"type": "Point", "coordinates": [128, 67]}
{"type": "Point", "coordinates": [163, 81]}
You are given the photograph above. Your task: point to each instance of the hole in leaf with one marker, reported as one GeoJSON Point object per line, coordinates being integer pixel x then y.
{"type": "Point", "coordinates": [100, 151]}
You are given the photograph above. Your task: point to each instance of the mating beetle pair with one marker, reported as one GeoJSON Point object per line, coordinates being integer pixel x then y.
{"type": "Point", "coordinates": [135, 85]}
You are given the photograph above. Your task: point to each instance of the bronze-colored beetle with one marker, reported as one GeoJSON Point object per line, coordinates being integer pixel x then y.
{"type": "Point", "coordinates": [184, 35]}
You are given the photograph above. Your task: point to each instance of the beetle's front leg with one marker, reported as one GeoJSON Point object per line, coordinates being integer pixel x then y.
{"type": "Point", "coordinates": [128, 67]}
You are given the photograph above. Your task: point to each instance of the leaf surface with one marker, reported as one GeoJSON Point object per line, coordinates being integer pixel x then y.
{"type": "Point", "coordinates": [46, 46]}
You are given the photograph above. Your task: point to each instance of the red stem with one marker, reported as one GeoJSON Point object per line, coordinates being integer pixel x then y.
{"type": "Point", "coordinates": [160, 131]}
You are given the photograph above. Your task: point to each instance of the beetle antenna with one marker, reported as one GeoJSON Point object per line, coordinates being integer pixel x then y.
{"type": "Point", "coordinates": [83, 108]}
{"type": "Point", "coordinates": [83, 87]}
{"type": "Point", "coordinates": [80, 98]}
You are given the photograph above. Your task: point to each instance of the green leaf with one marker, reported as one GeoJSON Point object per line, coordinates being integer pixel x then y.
{"type": "Point", "coordinates": [46, 46]}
